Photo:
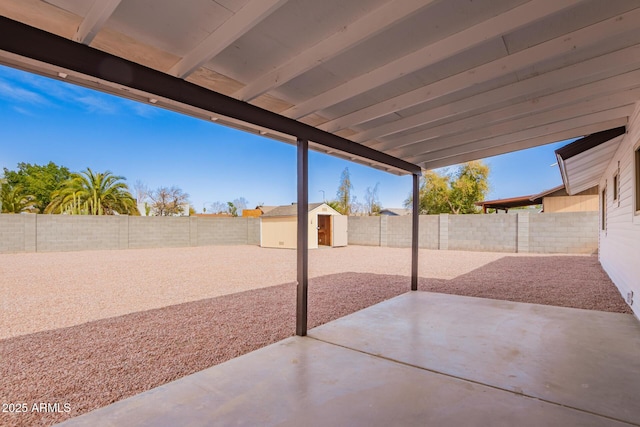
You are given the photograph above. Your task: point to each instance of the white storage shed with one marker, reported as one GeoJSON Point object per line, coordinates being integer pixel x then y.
{"type": "Point", "coordinates": [327, 227]}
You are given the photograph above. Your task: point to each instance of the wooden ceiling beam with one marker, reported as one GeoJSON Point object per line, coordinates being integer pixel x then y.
{"type": "Point", "coordinates": [231, 30]}
{"type": "Point", "coordinates": [431, 54]}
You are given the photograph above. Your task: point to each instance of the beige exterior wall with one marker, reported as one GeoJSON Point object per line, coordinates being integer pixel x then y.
{"type": "Point", "coordinates": [279, 233]}
{"type": "Point", "coordinates": [586, 203]}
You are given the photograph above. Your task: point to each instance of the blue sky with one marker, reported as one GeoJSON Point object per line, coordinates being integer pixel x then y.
{"type": "Point", "coordinates": [45, 120]}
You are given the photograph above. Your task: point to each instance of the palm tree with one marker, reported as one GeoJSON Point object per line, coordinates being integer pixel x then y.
{"type": "Point", "coordinates": [93, 193]}
{"type": "Point", "coordinates": [13, 200]}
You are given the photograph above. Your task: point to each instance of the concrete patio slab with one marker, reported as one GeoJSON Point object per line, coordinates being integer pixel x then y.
{"type": "Point", "coordinates": [418, 359]}
{"type": "Point", "coordinates": [583, 359]}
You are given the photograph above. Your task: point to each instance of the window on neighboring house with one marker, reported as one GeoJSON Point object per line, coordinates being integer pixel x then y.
{"type": "Point", "coordinates": [615, 187]}
{"type": "Point", "coordinates": [604, 208]}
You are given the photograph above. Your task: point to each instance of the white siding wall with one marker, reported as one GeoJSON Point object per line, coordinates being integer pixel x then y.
{"type": "Point", "coordinates": [620, 243]}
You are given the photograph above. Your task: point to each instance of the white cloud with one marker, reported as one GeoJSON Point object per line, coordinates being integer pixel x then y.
{"type": "Point", "coordinates": [95, 104]}
{"type": "Point", "coordinates": [21, 87]}
{"type": "Point", "coordinates": [23, 111]}
{"type": "Point", "coordinates": [19, 94]}
{"type": "Point", "coordinates": [143, 110]}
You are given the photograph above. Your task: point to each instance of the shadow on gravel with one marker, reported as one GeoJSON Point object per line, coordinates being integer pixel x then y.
{"type": "Point", "coordinates": [97, 363]}
{"type": "Point", "coordinates": [565, 281]}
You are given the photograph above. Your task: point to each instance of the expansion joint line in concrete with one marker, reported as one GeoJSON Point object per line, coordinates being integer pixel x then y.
{"type": "Point", "coordinates": [379, 356]}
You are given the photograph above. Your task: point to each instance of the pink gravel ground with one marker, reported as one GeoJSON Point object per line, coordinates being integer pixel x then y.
{"type": "Point", "coordinates": [108, 349]}
{"type": "Point", "coordinates": [43, 291]}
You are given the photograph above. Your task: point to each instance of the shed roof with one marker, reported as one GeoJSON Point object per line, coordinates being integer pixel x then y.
{"type": "Point", "coordinates": [290, 210]}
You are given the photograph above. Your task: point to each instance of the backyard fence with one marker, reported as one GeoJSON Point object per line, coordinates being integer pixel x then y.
{"type": "Point", "coordinates": [49, 233]}
{"type": "Point", "coordinates": [575, 232]}
{"type": "Point", "coordinates": [570, 232]}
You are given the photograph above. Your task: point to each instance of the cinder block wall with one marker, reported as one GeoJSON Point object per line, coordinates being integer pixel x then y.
{"type": "Point", "coordinates": [429, 232]}
{"type": "Point", "coordinates": [575, 232]}
{"type": "Point", "coordinates": [253, 231]}
{"type": "Point", "coordinates": [571, 232]}
{"type": "Point", "coordinates": [159, 232]}
{"type": "Point", "coordinates": [48, 233]}
{"type": "Point", "coordinates": [77, 233]}
{"type": "Point", "coordinates": [364, 230]}
{"type": "Point", "coordinates": [495, 233]}
{"type": "Point", "coordinates": [228, 231]}
{"type": "Point", "coordinates": [14, 234]}
{"type": "Point", "coordinates": [398, 231]}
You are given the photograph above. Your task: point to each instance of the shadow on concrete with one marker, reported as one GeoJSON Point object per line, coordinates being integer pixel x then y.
{"type": "Point", "coordinates": [97, 363]}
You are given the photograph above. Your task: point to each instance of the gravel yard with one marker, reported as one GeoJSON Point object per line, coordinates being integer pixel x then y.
{"type": "Point", "coordinates": [91, 328]}
{"type": "Point", "coordinates": [43, 291]}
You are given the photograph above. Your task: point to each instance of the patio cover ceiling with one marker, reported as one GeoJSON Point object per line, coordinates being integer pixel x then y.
{"type": "Point", "coordinates": [432, 83]}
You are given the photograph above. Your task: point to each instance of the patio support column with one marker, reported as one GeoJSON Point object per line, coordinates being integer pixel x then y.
{"type": "Point", "coordinates": [415, 221]}
{"type": "Point", "coordinates": [303, 236]}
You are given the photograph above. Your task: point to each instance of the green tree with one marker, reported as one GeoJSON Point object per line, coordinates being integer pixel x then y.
{"type": "Point", "coordinates": [343, 196]}
{"type": "Point", "coordinates": [14, 200]}
{"type": "Point", "coordinates": [471, 185]}
{"type": "Point", "coordinates": [39, 181]}
{"type": "Point", "coordinates": [232, 209]}
{"type": "Point", "coordinates": [454, 193]}
{"type": "Point", "coordinates": [93, 193]}
{"type": "Point", "coordinates": [434, 192]}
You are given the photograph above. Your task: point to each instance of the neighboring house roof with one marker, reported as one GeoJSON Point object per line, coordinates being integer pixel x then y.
{"type": "Point", "coordinates": [555, 191]}
{"type": "Point", "coordinates": [521, 201]}
{"type": "Point", "coordinates": [512, 202]}
{"type": "Point", "coordinates": [266, 209]}
{"type": "Point", "coordinates": [395, 211]}
{"type": "Point", "coordinates": [212, 215]}
{"type": "Point", "coordinates": [291, 210]}
{"type": "Point", "coordinates": [583, 162]}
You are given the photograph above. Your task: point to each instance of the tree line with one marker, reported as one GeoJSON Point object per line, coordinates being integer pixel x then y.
{"type": "Point", "coordinates": [54, 189]}
{"type": "Point", "coordinates": [454, 191]}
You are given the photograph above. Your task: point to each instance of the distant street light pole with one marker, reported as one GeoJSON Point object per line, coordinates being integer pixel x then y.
{"type": "Point", "coordinates": [324, 199]}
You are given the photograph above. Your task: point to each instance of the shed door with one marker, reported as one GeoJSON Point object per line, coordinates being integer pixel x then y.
{"type": "Point", "coordinates": [339, 230]}
{"type": "Point", "coordinates": [324, 230]}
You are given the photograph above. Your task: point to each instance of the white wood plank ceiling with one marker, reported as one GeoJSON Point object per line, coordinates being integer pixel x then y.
{"type": "Point", "coordinates": [432, 82]}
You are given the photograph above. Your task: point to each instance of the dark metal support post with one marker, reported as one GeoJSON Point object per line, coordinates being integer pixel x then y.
{"type": "Point", "coordinates": [303, 236]}
{"type": "Point", "coordinates": [415, 220]}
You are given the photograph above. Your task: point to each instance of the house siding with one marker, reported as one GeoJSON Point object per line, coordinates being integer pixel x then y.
{"type": "Point", "coordinates": [620, 240]}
